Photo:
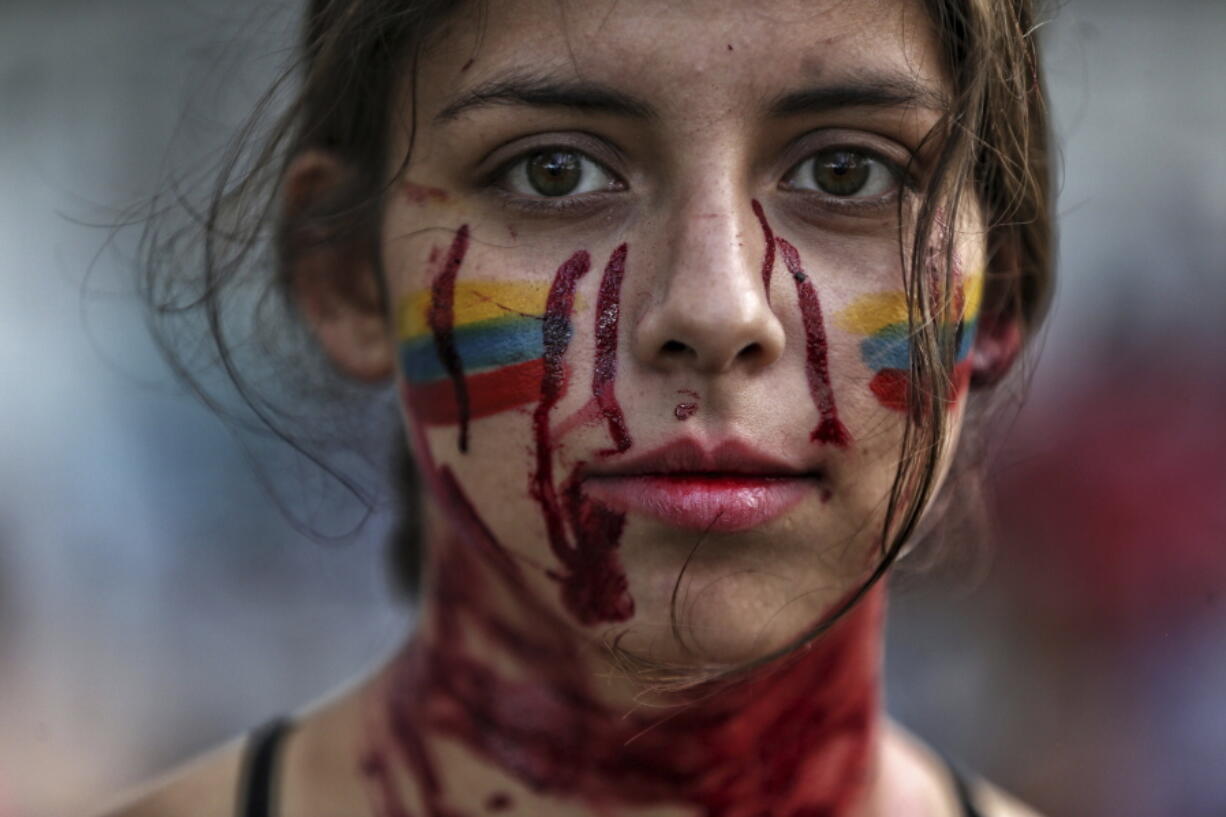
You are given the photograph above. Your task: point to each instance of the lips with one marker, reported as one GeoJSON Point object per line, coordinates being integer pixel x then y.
{"type": "Point", "coordinates": [728, 488]}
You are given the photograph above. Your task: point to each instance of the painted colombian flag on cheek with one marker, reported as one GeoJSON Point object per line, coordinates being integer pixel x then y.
{"type": "Point", "coordinates": [497, 333]}
{"type": "Point", "coordinates": [886, 348]}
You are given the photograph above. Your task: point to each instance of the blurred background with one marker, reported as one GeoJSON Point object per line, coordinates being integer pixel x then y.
{"type": "Point", "coordinates": [154, 601]}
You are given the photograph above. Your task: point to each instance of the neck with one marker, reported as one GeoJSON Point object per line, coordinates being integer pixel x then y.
{"type": "Point", "coordinates": [516, 690]}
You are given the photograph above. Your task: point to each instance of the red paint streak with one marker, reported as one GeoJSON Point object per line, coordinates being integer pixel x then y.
{"type": "Point", "coordinates": [685, 411]}
{"type": "Point", "coordinates": [594, 586]}
{"type": "Point", "coordinates": [768, 260]}
{"type": "Point", "coordinates": [441, 317]}
{"type": "Point", "coordinates": [589, 414]}
{"type": "Point", "coordinates": [830, 430]}
{"type": "Point", "coordinates": [793, 740]}
{"type": "Point", "coordinates": [489, 393]}
{"type": "Point", "coordinates": [892, 388]}
{"type": "Point", "coordinates": [689, 393]}
{"type": "Point", "coordinates": [604, 369]}
{"type": "Point", "coordinates": [422, 194]}
{"type": "Point", "coordinates": [556, 330]}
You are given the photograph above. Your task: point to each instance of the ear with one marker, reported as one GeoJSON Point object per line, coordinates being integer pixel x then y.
{"type": "Point", "coordinates": [998, 338]}
{"type": "Point", "coordinates": [331, 267]}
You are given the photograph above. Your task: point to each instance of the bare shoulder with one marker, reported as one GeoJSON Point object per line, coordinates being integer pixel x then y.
{"type": "Point", "coordinates": [924, 784]}
{"type": "Point", "coordinates": [203, 787]}
{"type": "Point", "coordinates": [995, 803]}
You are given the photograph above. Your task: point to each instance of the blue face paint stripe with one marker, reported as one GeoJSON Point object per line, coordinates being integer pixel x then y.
{"type": "Point", "coordinates": [888, 348]}
{"type": "Point", "coordinates": [968, 340]}
{"type": "Point", "coordinates": [482, 345]}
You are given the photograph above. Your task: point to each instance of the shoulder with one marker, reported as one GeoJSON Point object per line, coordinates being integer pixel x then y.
{"type": "Point", "coordinates": [316, 771]}
{"type": "Point", "coordinates": [204, 787]}
{"type": "Point", "coordinates": [995, 803]}
{"type": "Point", "coordinates": [924, 784]}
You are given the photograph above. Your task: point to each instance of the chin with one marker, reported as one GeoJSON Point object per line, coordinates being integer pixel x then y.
{"type": "Point", "coordinates": [724, 599]}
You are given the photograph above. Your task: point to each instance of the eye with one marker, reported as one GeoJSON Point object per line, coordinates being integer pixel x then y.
{"type": "Point", "coordinates": [844, 173]}
{"type": "Point", "coordinates": [557, 172]}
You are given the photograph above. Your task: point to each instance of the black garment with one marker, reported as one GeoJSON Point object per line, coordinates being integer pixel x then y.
{"type": "Point", "coordinates": [257, 782]}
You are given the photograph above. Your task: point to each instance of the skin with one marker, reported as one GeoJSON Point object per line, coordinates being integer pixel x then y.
{"type": "Point", "coordinates": [674, 178]}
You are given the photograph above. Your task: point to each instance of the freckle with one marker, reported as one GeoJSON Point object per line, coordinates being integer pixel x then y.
{"type": "Point", "coordinates": [685, 411]}
{"type": "Point", "coordinates": [826, 495]}
{"type": "Point", "coordinates": [466, 66]}
{"type": "Point", "coordinates": [729, 46]}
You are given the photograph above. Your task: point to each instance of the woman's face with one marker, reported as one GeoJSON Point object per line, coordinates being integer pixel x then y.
{"type": "Point", "coordinates": [648, 299]}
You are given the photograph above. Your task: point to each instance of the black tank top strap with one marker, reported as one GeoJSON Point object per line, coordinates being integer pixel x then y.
{"type": "Point", "coordinates": [964, 791]}
{"type": "Point", "coordinates": [257, 780]}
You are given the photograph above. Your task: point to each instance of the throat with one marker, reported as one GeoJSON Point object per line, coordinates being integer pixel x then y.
{"type": "Point", "coordinates": [797, 738]}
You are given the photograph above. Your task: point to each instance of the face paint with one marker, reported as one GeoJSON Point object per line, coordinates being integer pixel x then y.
{"type": "Point", "coordinates": [594, 586]}
{"type": "Point", "coordinates": [471, 349]}
{"type": "Point", "coordinates": [882, 319]}
{"type": "Point", "coordinates": [807, 722]}
{"type": "Point", "coordinates": [830, 429]}
{"type": "Point", "coordinates": [768, 259]}
{"type": "Point", "coordinates": [604, 370]}
{"type": "Point", "coordinates": [685, 411]}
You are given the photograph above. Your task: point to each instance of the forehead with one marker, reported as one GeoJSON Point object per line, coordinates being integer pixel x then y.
{"type": "Point", "coordinates": [699, 57]}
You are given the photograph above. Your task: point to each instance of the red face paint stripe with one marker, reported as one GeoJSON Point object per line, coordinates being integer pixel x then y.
{"type": "Point", "coordinates": [768, 260]}
{"type": "Point", "coordinates": [604, 370]}
{"type": "Point", "coordinates": [441, 318]}
{"type": "Point", "coordinates": [489, 393]}
{"type": "Point", "coordinates": [830, 430]}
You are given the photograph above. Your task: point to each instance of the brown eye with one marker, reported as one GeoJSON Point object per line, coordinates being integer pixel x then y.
{"type": "Point", "coordinates": [556, 173]}
{"type": "Point", "coordinates": [844, 173]}
{"type": "Point", "coordinates": [841, 172]}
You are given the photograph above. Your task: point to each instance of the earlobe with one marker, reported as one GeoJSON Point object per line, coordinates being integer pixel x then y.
{"type": "Point", "coordinates": [329, 264]}
{"type": "Point", "coordinates": [998, 342]}
{"type": "Point", "coordinates": [999, 336]}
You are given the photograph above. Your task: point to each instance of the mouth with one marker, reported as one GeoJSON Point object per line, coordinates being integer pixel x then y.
{"type": "Point", "coordinates": [725, 489]}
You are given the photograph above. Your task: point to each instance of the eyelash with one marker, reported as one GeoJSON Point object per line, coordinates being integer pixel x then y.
{"type": "Point", "coordinates": [901, 181]}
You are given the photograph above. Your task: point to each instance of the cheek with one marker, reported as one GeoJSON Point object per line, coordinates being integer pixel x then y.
{"type": "Point", "coordinates": [499, 350]}
{"type": "Point", "coordinates": [878, 327]}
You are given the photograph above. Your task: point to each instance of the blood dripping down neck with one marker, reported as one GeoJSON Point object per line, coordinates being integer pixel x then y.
{"type": "Point", "coordinates": [517, 693]}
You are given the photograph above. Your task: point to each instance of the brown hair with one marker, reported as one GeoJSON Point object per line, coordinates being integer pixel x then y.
{"type": "Point", "coordinates": [993, 141]}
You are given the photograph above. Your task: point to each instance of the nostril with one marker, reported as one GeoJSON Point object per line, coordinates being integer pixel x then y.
{"type": "Point", "coordinates": [674, 348]}
{"type": "Point", "coordinates": [752, 351]}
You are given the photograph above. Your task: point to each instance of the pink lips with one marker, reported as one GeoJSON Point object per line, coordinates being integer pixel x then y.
{"type": "Point", "coordinates": [728, 488]}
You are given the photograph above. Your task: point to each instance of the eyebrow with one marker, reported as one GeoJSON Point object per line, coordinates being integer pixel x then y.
{"type": "Point", "coordinates": [546, 91]}
{"type": "Point", "coordinates": [876, 91]}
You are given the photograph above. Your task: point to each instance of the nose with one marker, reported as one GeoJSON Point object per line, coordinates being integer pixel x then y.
{"type": "Point", "coordinates": [712, 314]}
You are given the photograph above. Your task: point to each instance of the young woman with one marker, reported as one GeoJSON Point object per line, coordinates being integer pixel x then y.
{"type": "Point", "coordinates": [685, 304]}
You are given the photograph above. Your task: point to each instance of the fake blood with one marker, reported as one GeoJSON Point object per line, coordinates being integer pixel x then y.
{"type": "Point", "coordinates": [793, 740]}
{"type": "Point", "coordinates": [594, 586]}
{"type": "Point", "coordinates": [830, 429]}
{"type": "Point", "coordinates": [768, 259]}
{"type": "Point", "coordinates": [441, 317]}
{"type": "Point", "coordinates": [604, 370]}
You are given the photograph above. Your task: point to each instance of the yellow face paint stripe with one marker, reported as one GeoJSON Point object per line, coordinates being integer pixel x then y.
{"type": "Point", "coordinates": [872, 313]}
{"type": "Point", "coordinates": [475, 301]}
